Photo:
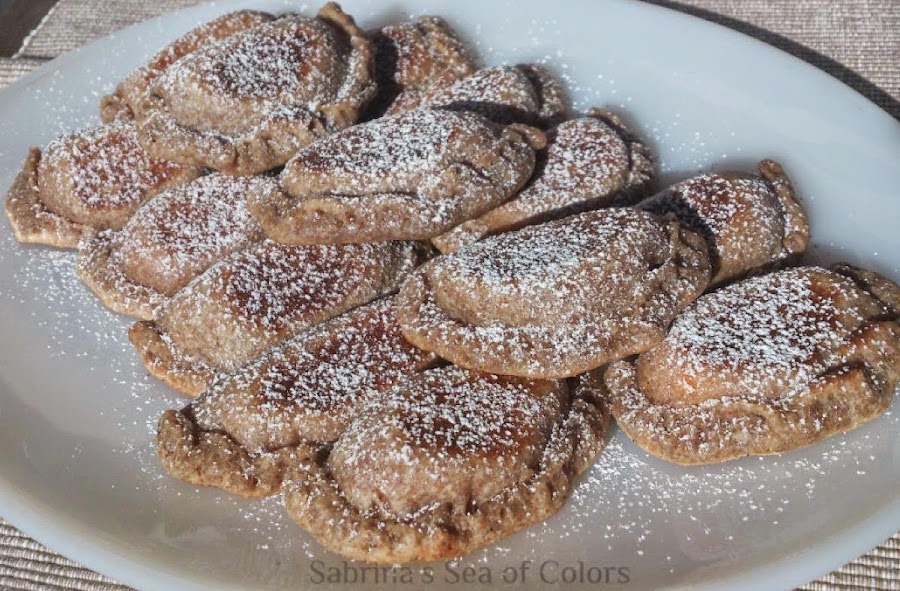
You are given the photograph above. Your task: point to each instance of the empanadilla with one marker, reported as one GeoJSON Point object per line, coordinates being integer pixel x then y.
{"type": "Point", "coordinates": [244, 431]}
{"type": "Point", "coordinates": [526, 93]}
{"type": "Point", "coordinates": [86, 181]}
{"type": "Point", "coordinates": [170, 240]}
{"type": "Point", "coordinates": [448, 461]}
{"type": "Point", "coordinates": [257, 298]}
{"type": "Point", "coordinates": [556, 299]}
{"type": "Point", "coordinates": [750, 222]}
{"type": "Point", "coordinates": [588, 162]}
{"type": "Point", "coordinates": [764, 366]}
{"type": "Point", "coordinates": [404, 177]}
{"type": "Point", "coordinates": [246, 104]}
{"type": "Point", "coordinates": [126, 102]}
{"type": "Point", "coordinates": [411, 58]}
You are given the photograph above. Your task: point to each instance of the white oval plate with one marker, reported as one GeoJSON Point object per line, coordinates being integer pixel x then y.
{"type": "Point", "coordinates": [77, 411]}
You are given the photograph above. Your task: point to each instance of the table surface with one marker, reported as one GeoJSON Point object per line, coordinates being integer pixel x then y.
{"type": "Point", "coordinates": [857, 41]}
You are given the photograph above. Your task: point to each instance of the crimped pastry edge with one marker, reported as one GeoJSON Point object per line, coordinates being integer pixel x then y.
{"type": "Point", "coordinates": [313, 498]}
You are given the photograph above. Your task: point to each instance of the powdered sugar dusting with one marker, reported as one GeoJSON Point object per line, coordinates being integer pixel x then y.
{"type": "Point", "coordinates": [180, 233]}
{"type": "Point", "coordinates": [765, 335]}
{"type": "Point", "coordinates": [104, 168]}
{"type": "Point", "coordinates": [310, 388]}
{"type": "Point", "coordinates": [445, 436]}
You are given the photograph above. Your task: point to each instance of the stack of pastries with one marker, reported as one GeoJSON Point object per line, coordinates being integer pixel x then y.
{"type": "Point", "coordinates": [408, 293]}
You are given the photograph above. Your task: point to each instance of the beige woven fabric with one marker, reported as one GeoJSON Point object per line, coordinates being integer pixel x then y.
{"type": "Point", "coordinates": [858, 41]}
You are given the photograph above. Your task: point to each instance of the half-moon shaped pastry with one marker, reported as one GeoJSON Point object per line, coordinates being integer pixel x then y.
{"type": "Point", "coordinates": [763, 366]}
{"type": "Point", "coordinates": [448, 461]}
{"type": "Point", "coordinates": [170, 240]}
{"type": "Point", "coordinates": [257, 298]}
{"type": "Point", "coordinates": [247, 103]}
{"type": "Point", "coordinates": [85, 181]}
{"type": "Point", "coordinates": [242, 432]}
{"type": "Point", "coordinates": [588, 162]}
{"type": "Point", "coordinates": [750, 222]}
{"type": "Point", "coordinates": [404, 177]}
{"type": "Point", "coordinates": [526, 93]}
{"type": "Point", "coordinates": [126, 101]}
{"type": "Point", "coordinates": [411, 58]}
{"type": "Point", "coordinates": [557, 299]}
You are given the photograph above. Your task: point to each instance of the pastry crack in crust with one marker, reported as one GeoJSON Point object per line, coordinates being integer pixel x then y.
{"type": "Point", "coordinates": [409, 176]}
{"type": "Point", "coordinates": [259, 297]}
{"type": "Point", "coordinates": [247, 103]}
{"type": "Point", "coordinates": [764, 366]}
{"type": "Point", "coordinates": [447, 462]}
{"type": "Point", "coordinates": [588, 163]}
{"type": "Point", "coordinates": [287, 404]}
{"type": "Point", "coordinates": [84, 182]}
{"type": "Point", "coordinates": [557, 299]}
{"type": "Point", "coordinates": [168, 242]}
{"type": "Point", "coordinates": [752, 223]}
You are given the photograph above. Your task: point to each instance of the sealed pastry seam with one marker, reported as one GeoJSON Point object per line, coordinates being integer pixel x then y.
{"type": "Point", "coordinates": [210, 458]}
{"type": "Point", "coordinates": [316, 501]}
{"type": "Point", "coordinates": [96, 266]}
{"type": "Point", "coordinates": [30, 219]}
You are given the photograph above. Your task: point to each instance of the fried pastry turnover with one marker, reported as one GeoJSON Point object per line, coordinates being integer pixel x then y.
{"type": "Point", "coordinates": [750, 222]}
{"type": "Point", "coordinates": [588, 162]}
{"type": "Point", "coordinates": [556, 299]}
{"type": "Point", "coordinates": [171, 239]}
{"type": "Point", "coordinates": [405, 177]}
{"type": "Point", "coordinates": [246, 429]}
{"type": "Point", "coordinates": [526, 93]}
{"type": "Point", "coordinates": [247, 103]}
{"type": "Point", "coordinates": [764, 366]}
{"type": "Point", "coordinates": [411, 58]}
{"type": "Point", "coordinates": [127, 101]}
{"type": "Point", "coordinates": [446, 462]}
{"type": "Point", "coordinates": [253, 300]}
{"type": "Point", "coordinates": [86, 181]}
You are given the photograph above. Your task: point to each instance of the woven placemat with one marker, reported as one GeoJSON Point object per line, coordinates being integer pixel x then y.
{"type": "Point", "coordinates": [857, 41]}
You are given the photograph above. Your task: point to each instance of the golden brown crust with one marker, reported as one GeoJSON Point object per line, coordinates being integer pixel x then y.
{"type": "Point", "coordinates": [412, 57]}
{"type": "Point", "coordinates": [125, 103]}
{"type": "Point", "coordinates": [316, 501]}
{"type": "Point", "coordinates": [833, 365]}
{"type": "Point", "coordinates": [406, 177]}
{"type": "Point", "coordinates": [751, 223]}
{"type": "Point", "coordinates": [558, 299]}
{"type": "Point", "coordinates": [239, 106]}
{"type": "Point", "coordinates": [588, 163]}
{"type": "Point", "coordinates": [30, 219]}
{"type": "Point", "coordinates": [257, 298]}
{"type": "Point", "coordinates": [209, 458]}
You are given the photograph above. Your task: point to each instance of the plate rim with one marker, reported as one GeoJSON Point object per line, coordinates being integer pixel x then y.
{"type": "Point", "coordinates": [72, 539]}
